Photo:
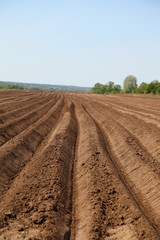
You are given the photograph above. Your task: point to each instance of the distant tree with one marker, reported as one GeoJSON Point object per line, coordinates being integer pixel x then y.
{"type": "Point", "coordinates": [153, 87]}
{"type": "Point", "coordinates": [130, 84]}
{"type": "Point", "coordinates": [106, 88]}
{"type": "Point", "coordinates": [117, 88]}
{"type": "Point", "coordinates": [15, 86]}
{"type": "Point", "coordinates": [35, 89]}
{"type": "Point", "coordinates": [110, 86]}
{"type": "Point", "coordinates": [142, 88]}
{"type": "Point", "coordinates": [158, 90]}
{"type": "Point", "coordinates": [98, 88]}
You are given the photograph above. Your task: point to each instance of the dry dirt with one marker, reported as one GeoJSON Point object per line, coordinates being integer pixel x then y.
{"type": "Point", "coordinates": [79, 166]}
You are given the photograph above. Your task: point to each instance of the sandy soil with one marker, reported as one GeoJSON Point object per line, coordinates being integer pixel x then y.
{"type": "Point", "coordinates": [79, 166]}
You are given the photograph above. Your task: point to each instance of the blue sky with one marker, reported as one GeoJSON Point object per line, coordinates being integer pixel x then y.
{"type": "Point", "coordinates": [79, 42]}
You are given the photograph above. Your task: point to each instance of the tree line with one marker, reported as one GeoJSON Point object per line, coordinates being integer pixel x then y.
{"type": "Point", "coordinates": [129, 86]}
{"type": "Point", "coordinates": [17, 87]}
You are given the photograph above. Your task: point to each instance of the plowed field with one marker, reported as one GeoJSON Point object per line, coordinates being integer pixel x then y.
{"type": "Point", "coordinates": [79, 166]}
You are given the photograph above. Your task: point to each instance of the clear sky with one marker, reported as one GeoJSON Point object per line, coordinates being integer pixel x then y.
{"type": "Point", "coordinates": [79, 42]}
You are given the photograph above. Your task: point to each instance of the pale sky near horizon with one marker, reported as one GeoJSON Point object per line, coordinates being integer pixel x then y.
{"type": "Point", "coordinates": [79, 42]}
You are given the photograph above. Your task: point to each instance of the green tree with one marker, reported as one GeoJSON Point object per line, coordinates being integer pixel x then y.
{"type": "Point", "coordinates": [117, 88]}
{"type": "Point", "coordinates": [158, 89]}
{"type": "Point", "coordinates": [142, 88]}
{"type": "Point", "coordinates": [106, 88]}
{"type": "Point", "coordinates": [130, 84]}
{"type": "Point", "coordinates": [98, 88]}
{"type": "Point", "coordinates": [153, 87]}
{"type": "Point", "coordinates": [110, 86]}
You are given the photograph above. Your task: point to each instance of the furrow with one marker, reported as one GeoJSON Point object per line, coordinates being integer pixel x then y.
{"type": "Point", "coordinates": [18, 112]}
{"type": "Point", "coordinates": [129, 103]}
{"type": "Point", "coordinates": [7, 105]}
{"type": "Point", "coordinates": [14, 127]}
{"type": "Point", "coordinates": [20, 101]}
{"type": "Point", "coordinates": [134, 103]}
{"type": "Point", "coordinates": [142, 181]}
{"type": "Point", "coordinates": [148, 114]}
{"type": "Point", "coordinates": [16, 152]}
{"type": "Point", "coordinates": [144, 131]}
{"type": "Point", "coordinates": [101, 208]}
{"type": "Point", "coordinates": [42, 191]}
{"type": "Point", "coordinates": [79, 166]}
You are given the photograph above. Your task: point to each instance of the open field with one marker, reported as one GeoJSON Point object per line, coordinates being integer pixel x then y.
{"type": "Point", "coordinates": [79, 166]}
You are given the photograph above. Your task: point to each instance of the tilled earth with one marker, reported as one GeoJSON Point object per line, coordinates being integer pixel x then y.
{"type": "Point", "coordinates": [79, 166]}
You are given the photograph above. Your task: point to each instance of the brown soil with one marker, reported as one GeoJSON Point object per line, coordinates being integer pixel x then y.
{"type": "Point", "coordinates": [79, 166]}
